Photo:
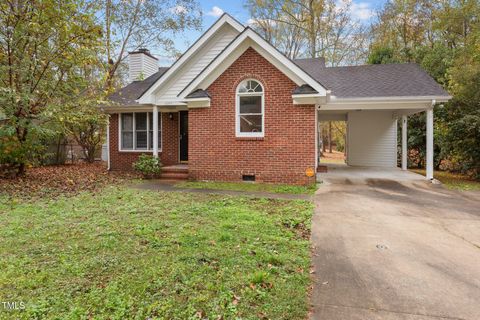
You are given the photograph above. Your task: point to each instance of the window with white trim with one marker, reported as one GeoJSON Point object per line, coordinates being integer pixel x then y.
{"type": "Point", "coordinates": [250, 109]}
{"type": "Point", "coordinates": [136, 131]}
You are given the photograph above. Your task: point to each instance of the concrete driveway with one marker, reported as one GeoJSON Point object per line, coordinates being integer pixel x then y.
{"type": "Point", "coordinates": [392, 246]}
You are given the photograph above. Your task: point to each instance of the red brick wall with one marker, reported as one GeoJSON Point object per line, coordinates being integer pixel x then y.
{"type": "Point", "coordinates": [123, 160]}
{"type": "Point", "coordinates": [282, 156]}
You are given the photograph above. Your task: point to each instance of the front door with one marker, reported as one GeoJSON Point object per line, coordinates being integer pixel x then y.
{"type": "Point", "coordinates": [183, 145]}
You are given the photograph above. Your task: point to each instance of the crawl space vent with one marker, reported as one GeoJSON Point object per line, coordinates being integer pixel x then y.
{"type": "Point", "coordinates": [248, 177]}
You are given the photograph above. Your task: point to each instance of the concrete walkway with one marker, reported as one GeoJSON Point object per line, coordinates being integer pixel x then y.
{"type": "Point", "coordinates": [169, 186]}
{"type": "Point", "coordinates": [394, 248]}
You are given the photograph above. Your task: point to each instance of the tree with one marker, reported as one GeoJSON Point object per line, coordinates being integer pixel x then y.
{"type": "Point", "coordinates": [403, 25]}
{"type": "Point", "coordinates": [44, 45]}
{"type": "Point", "coordinates": [311, 28]}
{"type": "Point", "coordinates": [82, 120]}
{"type": "Point", "coordinates": [287, 37]}
{"type": "Point", "coordinates": [132, 24]}
{"type": "Point", "coordinates": [463, 112]}
{"type": "Point", "coordinates": [381, 55]}
{"type": "Point", "coordinates": [443, 37]}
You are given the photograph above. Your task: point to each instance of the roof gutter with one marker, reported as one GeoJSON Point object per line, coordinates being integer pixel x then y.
{"type": "Point", "coordinates": [394, 99]}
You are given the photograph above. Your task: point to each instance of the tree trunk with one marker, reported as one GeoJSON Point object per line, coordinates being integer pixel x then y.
{"type": "Point", "coordinates": [312, 33]}
{"type": "Point", "coordinates": [324, 142]}
{"type": "Point", "coordinates": [22, 138]}
{"type": "Point", "coordinates": [89, 153]}
{"type": "Point", "coordinates": [21, 169]}
{"type": "Point", "coordinates": [330, 136]}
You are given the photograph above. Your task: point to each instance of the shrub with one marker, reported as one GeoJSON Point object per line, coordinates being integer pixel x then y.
{"type": "Point", "coordinates": [148, 165]}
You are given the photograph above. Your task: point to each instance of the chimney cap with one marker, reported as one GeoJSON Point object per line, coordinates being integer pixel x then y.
{"type": "Point", "coordinates": [143, 51]}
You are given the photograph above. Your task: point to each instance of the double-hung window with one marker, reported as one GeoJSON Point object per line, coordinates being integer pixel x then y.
{"type": "Point", "coordinates": [250, 109]}
{"type": "Point", "coordinates": [136, 131]}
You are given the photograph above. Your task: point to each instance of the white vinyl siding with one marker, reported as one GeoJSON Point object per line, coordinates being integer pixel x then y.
{"type": "Point", "coordinates": [197, 63]}
{"type": "Point", "coordinates": [141, 66]}
{"type": "Point", "coordinates": [372, 139]}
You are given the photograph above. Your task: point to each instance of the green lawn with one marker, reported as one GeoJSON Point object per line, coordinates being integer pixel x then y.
{"type": "Point", "coordinates": [249, 187]}
{"type": "Point", "coordinates": [134, 254]}
{"type": "Point", "coordinates": [453, 180]}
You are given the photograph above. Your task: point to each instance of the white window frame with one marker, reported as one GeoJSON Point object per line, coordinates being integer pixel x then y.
{"type": "Point", "coordinates": [237, 110]}
{"type": "Point", "coordinates": [160, 125]}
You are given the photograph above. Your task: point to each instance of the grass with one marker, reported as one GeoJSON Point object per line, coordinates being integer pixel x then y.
{"type": "Point", "coordinates": [134, 254]}
{"type": "Point", "coordinates": [453, 181]}
{"type": "Point", "coordinates": [248, 187]}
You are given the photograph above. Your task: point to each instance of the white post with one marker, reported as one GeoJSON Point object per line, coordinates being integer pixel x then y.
{"type": "Point", "coordinates": [155, 131]}
{"type": "Point", "coordinates": [404, 143]}
{"type": "Point", "coordinates": [429, 159]}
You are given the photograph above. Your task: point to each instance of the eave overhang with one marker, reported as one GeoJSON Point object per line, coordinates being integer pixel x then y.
{"type": "Point", "coordinates": [382, 103]}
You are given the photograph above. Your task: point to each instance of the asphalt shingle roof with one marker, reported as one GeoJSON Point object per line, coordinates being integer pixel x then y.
{"type": "Point", "coordinates": [199, 93]}
{"type": "Point", "coordinates": [378, 80]}
{"type": "Point", "coordinates": [133, 91]}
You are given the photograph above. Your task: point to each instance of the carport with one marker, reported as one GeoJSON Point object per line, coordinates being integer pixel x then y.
{"type": "Point", "coordinates": [371, 100]}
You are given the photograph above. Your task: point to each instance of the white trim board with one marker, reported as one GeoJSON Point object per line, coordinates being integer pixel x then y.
{"type": "Point", "coordinates": [381, 103]}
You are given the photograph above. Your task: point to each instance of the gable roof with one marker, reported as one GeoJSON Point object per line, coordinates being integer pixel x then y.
{"type": "Point", "coordinates": [263, 47]}
{"type": "Point", "coordinates": [208, 34]}
{"type": "Point", "coordinates": [130, 93]}
{"type": "Point", "coordinates": [378, 80]}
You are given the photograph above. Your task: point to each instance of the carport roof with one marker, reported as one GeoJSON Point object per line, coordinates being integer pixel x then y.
{"type": "Point", "coordinates": [378, 80]}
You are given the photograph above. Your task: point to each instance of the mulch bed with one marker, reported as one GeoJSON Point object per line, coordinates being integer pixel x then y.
{"type": "Point", "coordinates": [66, 180]}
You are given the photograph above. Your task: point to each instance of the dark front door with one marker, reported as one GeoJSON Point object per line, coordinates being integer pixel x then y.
{"type": "Point", "coordinates": [183, 119]}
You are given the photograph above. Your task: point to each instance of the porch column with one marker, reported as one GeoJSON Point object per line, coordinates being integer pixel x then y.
{"type": "Point", "coordinates": [404, 143]}
{"type": "Point", "coordinates": [429, 159]}
{"type": "Point", "coordinates": [155, 131]}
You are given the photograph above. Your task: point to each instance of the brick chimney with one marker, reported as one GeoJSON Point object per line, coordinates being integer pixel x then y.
{"type": "Point", "coordinates": [141, 64]}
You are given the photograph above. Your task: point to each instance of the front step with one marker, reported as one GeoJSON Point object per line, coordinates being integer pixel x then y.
{"type": "Point", "coordinates": [174, 176]}
{"type": "Point", "coordinates": [175, 172]}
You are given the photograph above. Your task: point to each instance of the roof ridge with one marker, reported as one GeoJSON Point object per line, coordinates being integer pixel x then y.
{"type": "Point", "coordinates": [376, 64]}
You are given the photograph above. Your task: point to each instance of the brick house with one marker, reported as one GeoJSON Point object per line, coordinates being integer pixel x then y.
{"type": "Point", "coordinates": [233, 108]}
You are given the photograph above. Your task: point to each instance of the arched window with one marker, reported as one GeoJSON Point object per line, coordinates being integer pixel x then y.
{"type": "Point", "coordinates": [250, 109]}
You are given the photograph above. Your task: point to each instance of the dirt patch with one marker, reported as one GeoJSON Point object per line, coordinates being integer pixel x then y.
{"type": "Point", "coordinates": [334, 157]}
{"type": "Point", "coordinates": [53, 181]}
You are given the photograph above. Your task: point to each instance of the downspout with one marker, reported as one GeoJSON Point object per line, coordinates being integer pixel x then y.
{"type": "Point", "coordinates": [108, 143]}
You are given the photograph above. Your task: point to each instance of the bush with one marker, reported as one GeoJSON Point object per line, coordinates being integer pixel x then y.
{"type": "Point", "coordinates": [148, 165]}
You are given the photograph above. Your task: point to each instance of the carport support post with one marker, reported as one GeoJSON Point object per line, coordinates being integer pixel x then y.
{"type": "Point", "coordinates": [155, 131]}
{"type": "Point", "coordinates": [404, 143]}
{"type": "Point", "coordinates": [429, 159]}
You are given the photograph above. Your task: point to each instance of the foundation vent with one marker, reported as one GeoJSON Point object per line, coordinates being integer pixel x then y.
{"type": "Point", "coordinates": [248, 177]}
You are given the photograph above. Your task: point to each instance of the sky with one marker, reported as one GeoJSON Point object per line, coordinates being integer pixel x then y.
{"type": "Point", "coordinates": [362, 10]}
